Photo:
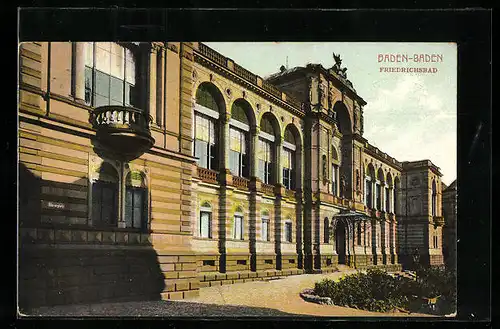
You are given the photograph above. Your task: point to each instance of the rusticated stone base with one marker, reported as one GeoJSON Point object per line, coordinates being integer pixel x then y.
{"type": "Point", "coordinates": [361, 261]}
{"type": "Point", "coordinates": [265, 262]}
{"type": "Point", "coordinates": [289, 261]}
{"type": "Point", "coordinates": [208, 262]}
{"type": "Point", "coordinates": [211, 279]}
{"type": "Point", "coordinates": [328, 263]}
{"type": "Point", "coordinates": [55, 276]}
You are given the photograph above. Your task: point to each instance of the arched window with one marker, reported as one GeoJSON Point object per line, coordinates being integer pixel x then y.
{"type": "Point", "coordinates": [266, 150]}
{"type": "Point", "coordinates": [388, 193]}
{"type": "Point", "coordinates": [206, 114]}
{"type": "Point", "coordinates": [136, 196]}
{"type": "Point", "coordinates": [335, 168]}
{"type": "Point", "coordinates": [324, 165]}
{"type": "Point", "coordinates": [110, 74]}
{"type": "Point", "coordinates": [358, 233]}
{"type": "Point", "coordinates": [288, 230]}
{"type": "Point", "coordinates": [434, 198]}
{"type": "Point", "coordinates": [378, 188]}
{"type": "Point", "coordinates": [105, 197]}
{"type": "Point", "coordinates": [395, 204]}
{"type": "Point", "coordinates": [238, 224]}
{"type": "Point", "coordinates": [265, 226]}
{"type": "Point", "coordinates": [369, 179]}
{"type": "Point", "coordinates": [288, 162]}
{"type": "Point", "coordinates": [326, 231]}
{"type": "Point", "coordinates": [205, 227]}
{"type": "Point", "coordinates": [239, 139]}
{"type": "Point", "coordinates": [206, 97]}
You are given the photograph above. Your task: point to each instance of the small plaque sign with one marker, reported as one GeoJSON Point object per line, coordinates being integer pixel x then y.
{"type": "Point", "coordinates": [56, 205]}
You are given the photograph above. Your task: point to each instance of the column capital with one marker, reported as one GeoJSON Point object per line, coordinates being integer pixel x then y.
{"type": "Point", "coordinates": [225, 117]}
{"type": "Point", "coordinates": [255, 130]}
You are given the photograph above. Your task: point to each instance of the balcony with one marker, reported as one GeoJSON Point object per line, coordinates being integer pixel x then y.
{"type": "Point", "coordinates": [267, 189]}
{"type": "Point", "coordinates": [213, 55]}
{"type": "Point", "coordinates": [240, 182]}
{"type": "Point", "coordinates": [438, 220]}
{"type": "Point", "coordinates": [123, 130]}
{"type": "Point", "coordinates": [207, 175]}
{"type": "Point", "coordinates": [290, 194]}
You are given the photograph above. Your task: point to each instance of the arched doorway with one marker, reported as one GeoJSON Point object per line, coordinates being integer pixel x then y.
{"type": "Point", "coordinates": [340, 241]}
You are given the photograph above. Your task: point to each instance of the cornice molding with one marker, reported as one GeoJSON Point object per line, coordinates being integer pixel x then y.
{"type": "Point", "coordinates": [200, 59]}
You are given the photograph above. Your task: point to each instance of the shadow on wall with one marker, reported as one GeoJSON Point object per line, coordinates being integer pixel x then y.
{"type": "Point", "coordinates": [72, 263]}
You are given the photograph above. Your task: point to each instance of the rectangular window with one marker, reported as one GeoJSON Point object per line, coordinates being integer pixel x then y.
{"type": "Point", "coordinates": [104, 203]}
{"type": "Point", "coordinates": [369, 194]}
{"type": "Point", "coordinates": [288, 232]}
{"type": "Point", "coordinates": [264, 156]}
{"type": "Point", "coordinates": [204, 145]}
{"type": "Point", "coordinates": [109, 74]}
{"type": "Point", "coordinates": [205, 224]}
{"type": "Point", "coordinates": [238, 160]}
{"type": "Point", "coordinates": [288, 163]}
{"type": "Point", "coordinates": [238, 227]}
{"type": "Point", "coordinates": [387, 200]}
{"type": "Point", "coordinates": [377, 196]}
{"type": "Point", "coordinates": [208, 262]}
{"type": "Point", "coordinates": [135, 207]}
{"type": "Point", "coordinates": [265, 229]}
{"type": "Point", "coordinates": [334, 180]}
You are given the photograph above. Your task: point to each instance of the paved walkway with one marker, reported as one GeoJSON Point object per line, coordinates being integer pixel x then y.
{"type": "Point", "coordinates": [274, 298]}
{"type": "Point", "coordinates": [282, 295]}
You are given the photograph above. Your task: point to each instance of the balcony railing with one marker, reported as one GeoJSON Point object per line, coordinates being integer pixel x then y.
{"type": "Point", "coordinates": [208, 175]}
{"type": "Point", "coordinates": [267, 189]}
{"type": "Point", "coordinates": [271, 89]}
{"type": "Point", "coordinates": [290, 194]}
{"type": "Point", "coordinates": [245, 74]}
{"type": "Point", "coordinates": [293, 101]}
{"type": "Point", "coordinates": [213, 55]}
{"type": "Point", "coordinates": [122, 129]}
{"type": "Point", "coordinates": [240, 182]}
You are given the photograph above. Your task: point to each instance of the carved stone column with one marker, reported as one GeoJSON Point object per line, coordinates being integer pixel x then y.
{"type": "Point", "coordinates": [79, 71]}
{"type": "Point", "coordinates": [278, 166]}
{"type": "Point", "coordinates": [254, 162]}
{"type": "Point", "coordinates": [224, 141]}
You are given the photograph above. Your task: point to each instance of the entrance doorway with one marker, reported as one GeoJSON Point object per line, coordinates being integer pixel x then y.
{"type": "Point", "coordinates": [340, 241]}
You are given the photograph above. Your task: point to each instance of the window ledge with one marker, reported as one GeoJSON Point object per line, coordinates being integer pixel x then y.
{"type": "Point", "coordinates": [204, 239]}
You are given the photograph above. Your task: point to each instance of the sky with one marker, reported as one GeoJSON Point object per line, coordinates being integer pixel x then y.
{"type": "Point", "coordinates": [410, 116]}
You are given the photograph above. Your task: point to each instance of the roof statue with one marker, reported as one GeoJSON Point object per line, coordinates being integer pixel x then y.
{"type": "Point", "coordinates": [337, 67]}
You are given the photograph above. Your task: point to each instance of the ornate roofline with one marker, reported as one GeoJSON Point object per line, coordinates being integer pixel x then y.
{"type": "Point", "coordinates": [241, 76]}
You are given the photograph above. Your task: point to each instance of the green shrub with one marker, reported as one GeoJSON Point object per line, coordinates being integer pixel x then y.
{"type": "Point", "coordinates": [377, 291]}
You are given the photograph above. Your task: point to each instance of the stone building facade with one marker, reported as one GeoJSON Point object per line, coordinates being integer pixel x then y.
{"type": "Point", "coordinates": [149, 170]}
{"type": "Point", "coordinates": [450, 225]}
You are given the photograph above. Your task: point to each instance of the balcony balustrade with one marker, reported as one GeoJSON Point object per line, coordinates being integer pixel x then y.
{"type": "Point", "coordinates": [241, 182]}
{"type": "Point", "coordinates": [207, 175]}
{"type": "Point", "coordinates": [122, 129]}
{"type": "Point", "coordinates": [245, 74]}
{"type": "Point", "coordinates": [213, 55]}
{"type": "Point", "coordinates": [267, 189]}
{"type": "Point", "coordinates": [271, 89]}
{"type": "Point", "coordinates": [290, 194]}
